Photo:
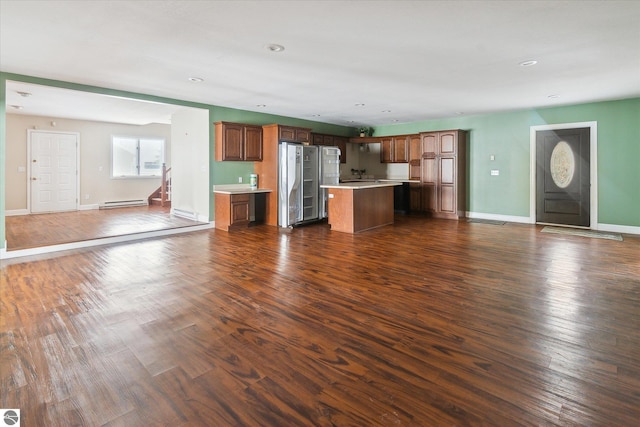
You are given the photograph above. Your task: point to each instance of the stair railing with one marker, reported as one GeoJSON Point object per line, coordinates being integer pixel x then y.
{"type": "Point", "coordinates": [165, 187]}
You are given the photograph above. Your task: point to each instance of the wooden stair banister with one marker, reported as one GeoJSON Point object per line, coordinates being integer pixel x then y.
{"type": "Point", "coordinates": [162, 195]}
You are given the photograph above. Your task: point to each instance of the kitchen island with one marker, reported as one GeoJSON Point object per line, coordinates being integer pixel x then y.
{"type": "Point", "coordinates": [359, 206]}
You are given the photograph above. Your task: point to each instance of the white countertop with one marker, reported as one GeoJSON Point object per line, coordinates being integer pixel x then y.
{"type": "Point", "coordinates": [400, 180]}
{"type": "Point", "coordinates": [239, 189]}
{"type": "Point", "coordinates": [361, 185]}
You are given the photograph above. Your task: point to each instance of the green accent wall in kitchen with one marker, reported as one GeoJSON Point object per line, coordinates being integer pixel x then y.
{"type": "Point", "coordinates": [507, 137]}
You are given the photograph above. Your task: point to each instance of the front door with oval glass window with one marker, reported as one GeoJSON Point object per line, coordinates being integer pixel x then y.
{"type": "Point", "coordinates": [562, 177]}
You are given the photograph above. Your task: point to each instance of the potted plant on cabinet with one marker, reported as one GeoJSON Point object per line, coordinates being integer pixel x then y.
{"type": "Point", "coordinates": [365, 131]}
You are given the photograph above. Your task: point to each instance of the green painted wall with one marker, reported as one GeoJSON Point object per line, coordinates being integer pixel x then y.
{"type": "Point", "coordinates": [506, 136]}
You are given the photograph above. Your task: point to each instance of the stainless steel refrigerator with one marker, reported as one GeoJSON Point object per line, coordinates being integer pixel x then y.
{"type": "Point", "coordinates": [329, 174]}
{"type": "Point", "coordinates": [301, 170]}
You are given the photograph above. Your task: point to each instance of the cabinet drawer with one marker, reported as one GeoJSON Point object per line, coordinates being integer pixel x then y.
{"type": "Point", "coordinates": [239, 198]}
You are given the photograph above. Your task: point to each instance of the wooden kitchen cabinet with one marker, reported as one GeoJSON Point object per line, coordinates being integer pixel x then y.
{"type": "Point", "coordinates": [415, 147]}
{"type": "Point", "coordinates": [415, 197]}
{"type": "Point", "coordinates": [238, 142]}
{"type": "Point", "coordinates": [341, 143]}
{"type": "Point", "coordinates": [394, 149]}
{"type": "Point", "coordinates": [294, 134]}
{"type": "Point", "coordinates": [415, 155]}
{"type": "Point", "coordinates": [386, 150]}
{"type": "Point", "coordinates": [232, 211]}
{"type": "Point", "coordinates": [331, 141]}
{"type": "Point", "coordinates": [443, 173]}
{"type": "Point", "coordinates": [239, 209]}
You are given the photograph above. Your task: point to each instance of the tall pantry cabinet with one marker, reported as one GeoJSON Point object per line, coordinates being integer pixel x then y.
{"type": "Point", "coordinates": [444, 173]}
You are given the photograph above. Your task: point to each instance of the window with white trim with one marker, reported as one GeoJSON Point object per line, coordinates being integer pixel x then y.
{"type": "Point", "coordinates": [133, 157]}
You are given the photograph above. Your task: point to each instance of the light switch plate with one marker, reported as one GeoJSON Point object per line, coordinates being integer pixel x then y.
{"type": "Point", "coordinates": [495, 172]}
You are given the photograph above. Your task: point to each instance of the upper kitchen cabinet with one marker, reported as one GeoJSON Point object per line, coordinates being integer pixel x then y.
{"type": "Point", "coordinates": [294, 134]}
{"type": "Point", "coordinates": [443, 173]}
{"type": "Point", "coordinates": [238, 142]}
{"type": "Point", "coordinates": [332, 141]}
{"type": "Point", "coordinates": [394, 149]}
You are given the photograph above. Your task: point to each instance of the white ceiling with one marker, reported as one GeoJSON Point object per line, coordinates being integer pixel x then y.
{"type": "Point", "coordinates": [406, 61]}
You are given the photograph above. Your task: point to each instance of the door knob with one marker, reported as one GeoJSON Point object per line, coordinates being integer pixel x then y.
{"type": "Point", "coordinates": [34, 178]}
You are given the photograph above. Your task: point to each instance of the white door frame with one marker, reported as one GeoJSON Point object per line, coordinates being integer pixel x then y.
{"type": "Point", "coordinates": [593, 161]}
{"type": "Point", "coordinates": [30, 162]}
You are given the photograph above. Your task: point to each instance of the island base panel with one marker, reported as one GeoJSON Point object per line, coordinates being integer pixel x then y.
{"type": "Point", "coordinates": [352, 211]}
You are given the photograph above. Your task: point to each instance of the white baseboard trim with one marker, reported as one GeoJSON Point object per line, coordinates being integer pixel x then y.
{"type": "Point", "coordinates": [88, 207]}
{"type": "Point", "coordinates": [5, 254]}
{"type": "Point", "coordinates": [16, 212]}
{"type": "Point", "coordinates": [497, 217]}
{"type": "Point", "coordinates": [613, 228]}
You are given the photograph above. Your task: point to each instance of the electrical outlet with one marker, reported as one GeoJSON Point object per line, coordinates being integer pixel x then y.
{"type": "Point", "coordinates": [495, 172]}
{"type": "Point", "coordinates": [239, 180]}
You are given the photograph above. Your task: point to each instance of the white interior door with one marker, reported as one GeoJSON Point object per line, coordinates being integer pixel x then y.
{"type": "Point", "coordinates": [54, 171]}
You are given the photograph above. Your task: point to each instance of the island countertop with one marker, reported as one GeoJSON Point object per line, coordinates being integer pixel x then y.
{"type": "Point", "coordinates": [361, 185]}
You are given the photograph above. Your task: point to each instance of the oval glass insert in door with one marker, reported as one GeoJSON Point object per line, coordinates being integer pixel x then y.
{"type": "Point", "coordinates": [562, 165]}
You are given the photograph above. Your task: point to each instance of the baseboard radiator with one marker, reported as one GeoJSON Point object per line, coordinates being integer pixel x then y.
{"type": "Point", "coordinates": [185, 214]}
{"type": "Point", "coordinates": [123, 203]}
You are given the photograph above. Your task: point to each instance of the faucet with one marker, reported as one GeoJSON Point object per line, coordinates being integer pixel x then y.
{"type": "Point", "coordinates": [358, 172]}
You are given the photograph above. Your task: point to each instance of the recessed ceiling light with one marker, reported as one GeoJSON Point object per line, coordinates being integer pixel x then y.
{"type": "Point", "coordinates": [274, 47]}
{"type": "Point", "coordinates": [385, 111]}
{"type": "Point", "coordinates": [196, 79]}
{"type": "Point", "coordinates": [359, 105]}
{"type": "Point", "coordinates": [553, 96]}
{"type": "Point", "coordinates": [315, 115]}
{"type": "Point", "coordinates": [528, 63]}
{"type": "Point", "coordinates": [395, 120]}
{"type": "Point", "coordinates": [261, 105]}
{"type": "Point", "coordinates": [24, 94]}
{"type": "Point", "coordinates": [17, 107]}
{"type": "Point", "coordinates": [459, 113]}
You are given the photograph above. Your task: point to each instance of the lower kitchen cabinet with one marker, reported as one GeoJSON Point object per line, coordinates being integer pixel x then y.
{"type": "Point", "coordinates": [232, 211]}
{"type": "Point", "coordinates": [239, 209]}
{"type": "Point", "coordinates": [415, 197]}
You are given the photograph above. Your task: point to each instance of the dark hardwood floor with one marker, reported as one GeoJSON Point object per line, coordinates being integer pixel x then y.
{"type": "Point", "coordinates": [423, 323]}
{"type": "Point", "coordinates": [30, 231]}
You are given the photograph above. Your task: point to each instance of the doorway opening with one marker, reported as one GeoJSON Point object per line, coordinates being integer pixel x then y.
{"type": "Point", "coordinates": [563, 172]}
